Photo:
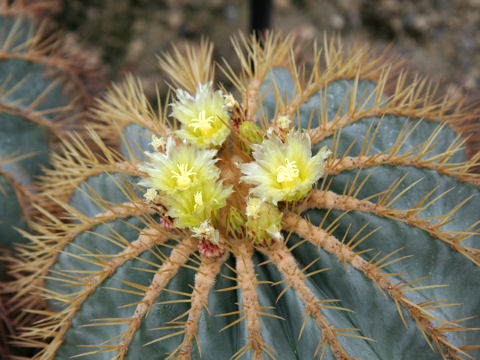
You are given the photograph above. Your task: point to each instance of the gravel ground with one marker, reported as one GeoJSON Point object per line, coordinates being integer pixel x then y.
{"type": "Point", "coordinates": [440, 38]}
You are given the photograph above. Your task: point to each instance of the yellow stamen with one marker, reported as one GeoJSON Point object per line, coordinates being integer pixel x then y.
{"type": "Point", "coordinates": [287, 173]}
{"type": "Point", "coordinates": [198, 200]}
{"type": "Point", "coordinates": [183, 175]}
{"type": "Point", "coordinates": [202, 123]}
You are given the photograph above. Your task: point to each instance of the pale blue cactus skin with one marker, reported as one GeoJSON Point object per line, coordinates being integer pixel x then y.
{"type": "Point", "coordinates": [32, 103]}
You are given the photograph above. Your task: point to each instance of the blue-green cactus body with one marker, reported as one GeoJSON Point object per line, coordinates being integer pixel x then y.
{"type": "Point", "coordinates": [372, 320]}
{"type": "Point", "coordinates": [32, 105]}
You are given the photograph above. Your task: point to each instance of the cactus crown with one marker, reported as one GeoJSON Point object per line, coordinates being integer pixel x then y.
{"type": "Point", "coordinates": [219, 247]}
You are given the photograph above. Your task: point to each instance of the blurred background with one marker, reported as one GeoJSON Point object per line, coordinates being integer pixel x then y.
{"type": "Point", "coordinates": [439, 38]}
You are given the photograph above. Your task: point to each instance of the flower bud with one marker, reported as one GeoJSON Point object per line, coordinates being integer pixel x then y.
{"type": "Point", "coordinates": [235, 222]}
{"type": "Point", "coordinates": [263, 222]}
{"type": "Point", "coordinates": [251, 133]}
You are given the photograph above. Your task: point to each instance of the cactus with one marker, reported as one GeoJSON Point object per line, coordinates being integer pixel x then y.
{"type": "Point", "coordinates": [36, 107]}
{"type": "Point", "coordinates": [41, 85]}
{"type": "Point", "coordinates": [346, 230]}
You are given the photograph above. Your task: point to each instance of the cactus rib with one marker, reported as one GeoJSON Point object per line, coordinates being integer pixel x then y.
{"type": "Point", "coordinates": [422, 317]}
{"type": "Point", "coordinates": [357, 267]}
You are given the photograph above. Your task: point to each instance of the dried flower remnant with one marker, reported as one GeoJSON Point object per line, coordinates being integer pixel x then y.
{"type": "Point", "coordinates": [210, 244]}
{"type": "Point", "coordinates": [158, 143]}
{"type": "Point", "coordinates": [230, 101]}
{"type": "Point", "coordinates": [206, 231]}
{"type": "Point", "coordinates": [284, 122]}
{"type": "Point", "coordinates": [151, 195]}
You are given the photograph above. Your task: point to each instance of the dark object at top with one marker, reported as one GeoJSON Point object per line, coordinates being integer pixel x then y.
{"type": "Point", "coordinates": [260, 11]}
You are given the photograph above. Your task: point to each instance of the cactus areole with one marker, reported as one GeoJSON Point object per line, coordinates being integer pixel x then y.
{"type": "Point", "coordinates": [320, 211]}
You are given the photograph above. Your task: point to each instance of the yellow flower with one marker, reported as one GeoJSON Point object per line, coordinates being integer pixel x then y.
{"type": "Point", "coordinates": [284, 171]}
{"type": "Point", "coordinates": [263, 221]}
{"type": "Point", "coordinates": [179, 168]}
{"type": "Point", "coordinates": [203, 116]}
{"type": "Point", "coordinates": [201, 202]}
{"type": "Point", "coordinates": [186, 180]}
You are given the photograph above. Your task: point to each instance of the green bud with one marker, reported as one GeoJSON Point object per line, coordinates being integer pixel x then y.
{"type": "Point", "coordinates": [236, 222]}
{"type": "Point", "coordinates": [251, 132]}
{"type": "Point", "coordinates": [263, 222]}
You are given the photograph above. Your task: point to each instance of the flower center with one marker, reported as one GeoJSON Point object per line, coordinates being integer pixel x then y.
{"type": "Point", "coordinates": [287, 173]}
{"type": "Point", "coordinates": [202, 123]}
{"type": "Point", "coordinates": [183, 176]}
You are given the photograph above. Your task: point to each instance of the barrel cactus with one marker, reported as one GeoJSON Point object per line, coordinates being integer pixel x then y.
{"type": "Point", "coordinates": [42, 89]}
{"type": "Point", "coordinates": [325, 211]}
{"type": "Point", "coordinates": [40, 86]}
